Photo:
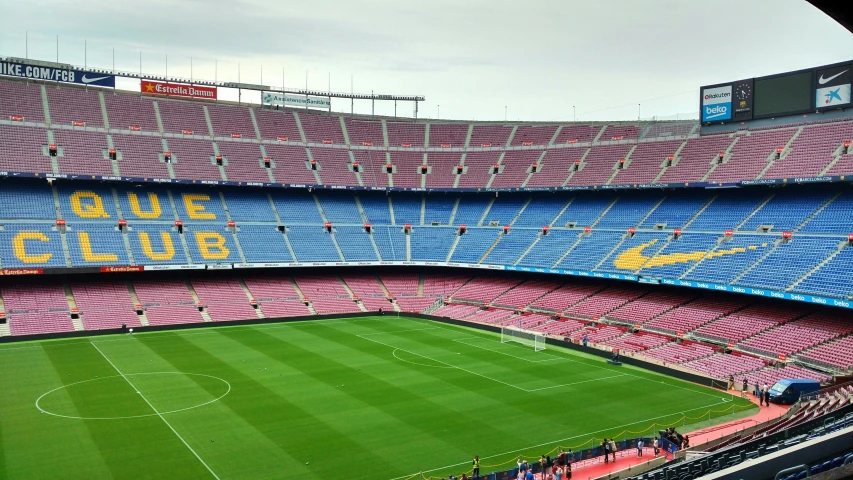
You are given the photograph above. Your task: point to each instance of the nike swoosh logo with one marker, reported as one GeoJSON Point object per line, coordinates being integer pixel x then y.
{"type": "Point", "coordinates": [822, 80]}
{"type": "Point", "coordinates": [633, 258]}
{"type": "Point", "coordinates": [90, 80]}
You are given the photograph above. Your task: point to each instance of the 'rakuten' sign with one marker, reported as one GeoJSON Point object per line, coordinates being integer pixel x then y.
{"type": "Point", "coordinates": [717, 104]}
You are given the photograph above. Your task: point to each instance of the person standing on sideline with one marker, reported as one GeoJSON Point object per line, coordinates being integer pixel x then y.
{"type": "Point", "coordinates": [561, 459]}
{"type": "Point", "coordinates": [613, 449]}
{"type": "Point", "coordinates": [585, 339]}
{"type": "Point", "coordinates": [558, 473]}
{"type": "Point", "coordinates": [655, 446]}
{"type": "Point", "coordinates": [476, 464]}
{"type": "Point", "coordinates": [568, 472]}
{"type": "Point", "coordinates": [767, 397]}
{"type": "Point", "coordinates": [640, 448]}
{"type": "Point", "coordinates": [605, 447]}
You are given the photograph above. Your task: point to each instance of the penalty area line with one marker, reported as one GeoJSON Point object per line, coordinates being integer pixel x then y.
{"type": "Point", "coordinates": [157, 412]}
{"type": "Point", "coordinates": [553, 357]}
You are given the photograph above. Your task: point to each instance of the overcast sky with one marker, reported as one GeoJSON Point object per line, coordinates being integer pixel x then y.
{"type": "Point", "coordinates": [537, 58]}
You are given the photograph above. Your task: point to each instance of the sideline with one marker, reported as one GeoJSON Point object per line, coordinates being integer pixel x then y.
{"type": "Point", "coordinates": [552, 442]}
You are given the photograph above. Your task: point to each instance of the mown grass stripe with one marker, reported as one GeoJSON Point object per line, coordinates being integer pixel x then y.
{"type": "Point", "coordinates": [126, 446]}
{"type": "Point", "coordinates": [406, 406]}
{"type": "Point", "coordinates": [297, 431]}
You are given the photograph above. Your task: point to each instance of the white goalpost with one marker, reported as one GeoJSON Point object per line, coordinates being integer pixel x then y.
{"type": "Point", "coordinates": [524, 337]}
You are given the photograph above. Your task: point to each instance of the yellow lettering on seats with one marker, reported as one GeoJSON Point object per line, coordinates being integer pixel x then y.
{"type": "Point", "coordinates": [21, 251]}
{"type": "Point", "coordinates": [211, 245]}
{"type": "Point", "coordinates": [196, 211]}
{"type": "Point", "coordinates": [152, 199]}
{"type": "Point", "coordinates": [89, 255]}
{"type": "Point", "coordinates": [168, 249]}
{"type": "Point", "coordinates": [95, 209]}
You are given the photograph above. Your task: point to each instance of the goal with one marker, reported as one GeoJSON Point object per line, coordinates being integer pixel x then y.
{"type": "Point", "coordinates": [531, 339]}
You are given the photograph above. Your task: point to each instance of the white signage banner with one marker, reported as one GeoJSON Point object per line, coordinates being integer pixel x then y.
{"type": "Point", "coordinates": [294, 100]}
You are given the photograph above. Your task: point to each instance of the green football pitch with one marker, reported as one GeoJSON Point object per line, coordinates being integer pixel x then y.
{"type": "Point", "coordinates": [376, 398]}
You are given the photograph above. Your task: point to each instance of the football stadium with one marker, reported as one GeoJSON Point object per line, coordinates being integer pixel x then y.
{"type": "Point", "coordinates": [206, 278]}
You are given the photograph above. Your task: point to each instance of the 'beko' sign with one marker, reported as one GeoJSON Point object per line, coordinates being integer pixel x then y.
{"type": "Point", "coordinates": [178, 90]}
{"type": "Point", "coordinates": [53, 74]}
{"type": "Point", "coordinates": [291, 100]}
{"type": "Point", "coordinates": [717, 104]}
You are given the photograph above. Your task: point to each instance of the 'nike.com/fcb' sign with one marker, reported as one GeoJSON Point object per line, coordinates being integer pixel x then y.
{"type": "Point", "coordinates": [51, 74]}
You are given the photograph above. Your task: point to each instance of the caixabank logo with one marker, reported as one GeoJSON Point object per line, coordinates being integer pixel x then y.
{"type": "Point", "coordinates": [717, 104]}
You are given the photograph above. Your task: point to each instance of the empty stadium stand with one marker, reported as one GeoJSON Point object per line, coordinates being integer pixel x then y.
{"type": "Point", "coordinates": [791, 241]}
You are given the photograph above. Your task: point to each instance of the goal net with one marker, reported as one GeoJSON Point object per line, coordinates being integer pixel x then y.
{"type": "Point", "coordinates": [524, 337]}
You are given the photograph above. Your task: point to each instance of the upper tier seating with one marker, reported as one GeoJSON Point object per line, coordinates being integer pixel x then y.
{"type": "Point", "coordinates": [750, 155]}
{"type": "Point", "coordinates": [131, 111]}
{"type": "Point", "coordinates": [21, 99]}
{"type": "Point", "coordinates": [816, 149]}
{"type": "Point", "coordinates": [322, 129]}
{"type": "Point", "coordinates": [228, 120]}
{"type": "Point", "coordinates": [69, 105]}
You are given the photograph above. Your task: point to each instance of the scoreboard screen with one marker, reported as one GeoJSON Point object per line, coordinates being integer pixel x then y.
{"type": "Point", "coordinates": [783, 94]}
{"type": "Point", "coordinates": [829, 87]}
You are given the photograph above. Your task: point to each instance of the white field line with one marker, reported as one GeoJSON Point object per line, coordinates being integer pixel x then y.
{"type": "Point", "coordinates": [558, 441]}
{"type": "Point", "coordinates": [203, 331]}
{"type": "Point", "coordinates": [182, 333]}
{"type": "Point", "coordinates": [553, 357]}
{"type": "Point", "coordinates": [158, 413]}
{"type": "Point", "coordinates": [716, 394]}
{"type": "Point", "coordinates": [400, 331]}
{"type": "Point", "coordinates": [577, 383]}
{"type": "Point", "coordinates": [449, 365]}
{"type": "Point", "coordinates": [394, 353]}
{"type": "Point", "coordinates": [443, 363]}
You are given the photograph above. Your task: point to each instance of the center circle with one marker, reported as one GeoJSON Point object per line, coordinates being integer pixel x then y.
{"type": "Point", "coordinates": [141, 393]}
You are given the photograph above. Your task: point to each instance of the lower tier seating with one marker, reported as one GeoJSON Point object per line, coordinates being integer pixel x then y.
{"type": "Point", "coordinates": [779, 333]}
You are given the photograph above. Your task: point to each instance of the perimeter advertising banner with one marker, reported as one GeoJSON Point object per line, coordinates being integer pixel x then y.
{"type": "Point", "coordinates": [52, 74]}
{"type": "Point", "coordinates": [293, 100]}
{"type": "Point", "coordinates": [178, 90]}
